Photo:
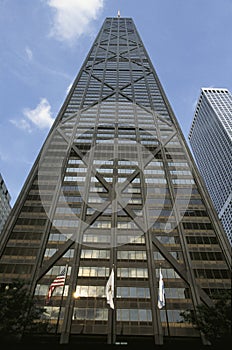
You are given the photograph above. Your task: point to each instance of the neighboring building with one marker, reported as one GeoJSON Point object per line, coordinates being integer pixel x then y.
{"type": "Point", "coordinates": [115, 187]}
{"type": "Point", "coordinates": [5, 206]}
{"type": "Point", "coordinates": [211, 141]}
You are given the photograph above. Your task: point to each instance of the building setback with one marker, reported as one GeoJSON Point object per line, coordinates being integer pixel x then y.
{"type": "Point", "coordinates": [5, 206]}
{"type": "Point", "coordinates": [115, 187]}
{"type": "Point", "coordinates": [211, 141]}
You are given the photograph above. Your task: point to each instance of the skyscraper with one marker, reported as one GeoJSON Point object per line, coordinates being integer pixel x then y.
{"type": "Point", "coordinates": [115, 192]}
{"type": "Point", "coordinates": [5, 206]}
{"type": "Point", "coordinates": [211, 141]}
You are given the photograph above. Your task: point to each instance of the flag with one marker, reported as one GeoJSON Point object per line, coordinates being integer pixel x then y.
{"type": "Point", "coordinates": [59, 281]}
{"type": "Point", "coordinates": [110, 290]}
{"type": "Point", "coordinates": [161, 298]}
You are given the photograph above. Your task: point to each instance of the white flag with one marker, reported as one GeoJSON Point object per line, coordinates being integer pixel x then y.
{"type": "Point", "coordinates": [110, 290]}
{"type": "Point", "coordinates": [161, 298]}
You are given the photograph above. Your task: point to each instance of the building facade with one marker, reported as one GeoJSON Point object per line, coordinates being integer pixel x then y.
{"type": "Point", "coordinates": [115, 188]}
{"type": "Point", "coordinates": [5, 206]}
{"type": "Point", "coordinates": [210, 138]}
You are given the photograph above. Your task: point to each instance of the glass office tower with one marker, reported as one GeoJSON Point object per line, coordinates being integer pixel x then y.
{"type": "Point", "coordinates": [210, 138]}
{"type": "Point", "coordinates": [115, 187]}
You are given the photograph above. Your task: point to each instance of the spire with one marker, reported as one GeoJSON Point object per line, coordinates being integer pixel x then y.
{"type": "Point", "coordinates": [119, 15]}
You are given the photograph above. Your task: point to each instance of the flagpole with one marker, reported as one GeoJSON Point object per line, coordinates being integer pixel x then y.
{"type": "Point", "coordinates": [166, 314]}
{"type": "Point", "coordinates": [113, 314]}
{"type": "Point", "coordinates": [62, 297]}
{"type": "Point", "coordinates": [112, 326]}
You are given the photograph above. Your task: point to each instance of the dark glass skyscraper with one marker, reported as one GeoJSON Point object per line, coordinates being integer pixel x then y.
{"type": "Point", "coordinates": [115, 187]}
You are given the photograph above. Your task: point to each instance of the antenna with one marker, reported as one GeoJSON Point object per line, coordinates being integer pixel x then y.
{"type": "Point", "coordinates": [119, 15]}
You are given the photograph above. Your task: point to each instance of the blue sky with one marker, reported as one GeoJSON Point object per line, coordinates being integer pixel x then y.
{"type": "Point", "coordinates": [43, 44]}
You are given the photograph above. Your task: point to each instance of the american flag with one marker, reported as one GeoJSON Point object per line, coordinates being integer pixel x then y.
{"type": "Point", "coordinates": [59, 281]}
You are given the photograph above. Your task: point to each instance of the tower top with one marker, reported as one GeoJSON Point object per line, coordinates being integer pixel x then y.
{"type": "Point", "coordinates": [119, 15]}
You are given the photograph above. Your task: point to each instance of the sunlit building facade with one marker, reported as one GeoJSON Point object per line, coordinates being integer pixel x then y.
{"type": "Point", "coordinates": [5, 206]}
{"type": "Point", "coordinates": [210, 138]}
{"type": "Point", "coordinates": [115, 187]}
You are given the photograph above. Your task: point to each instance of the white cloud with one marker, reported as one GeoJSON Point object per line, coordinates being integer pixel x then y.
{"type": "Point", "coordinates": [69, 87]}
{"type": "Point", "coordinates": [22, 124]}
{"type": "Point", "coordinates": [29, 53]}
{"type": "Point", "coordinates": [72, 18]}
{"type": "Point", "coordinates": [40, 116]}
